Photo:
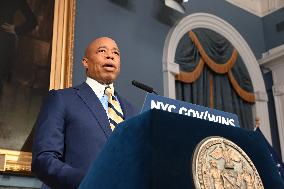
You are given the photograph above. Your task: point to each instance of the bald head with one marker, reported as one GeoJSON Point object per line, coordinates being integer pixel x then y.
{"type": "Point", "coordinates": [102, 60]}
{"type": "Point", "coordinates": [95, 42]}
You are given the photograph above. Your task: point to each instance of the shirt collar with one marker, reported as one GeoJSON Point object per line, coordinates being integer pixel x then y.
{"type": "Point", "coordinates": [97, 87]}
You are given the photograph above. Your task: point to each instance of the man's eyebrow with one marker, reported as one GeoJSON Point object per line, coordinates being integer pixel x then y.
{"type": "Point", "coordinates": [105, 47]}
{"type": "Point", "coordinates": [117, 49]}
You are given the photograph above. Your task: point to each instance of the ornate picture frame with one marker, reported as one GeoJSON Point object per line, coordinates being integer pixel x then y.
{"type": "Point", "coordinates": [19, 162]}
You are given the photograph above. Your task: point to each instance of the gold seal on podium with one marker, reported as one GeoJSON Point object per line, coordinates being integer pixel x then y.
{"type": "Point", "coordinates": [221, 164]}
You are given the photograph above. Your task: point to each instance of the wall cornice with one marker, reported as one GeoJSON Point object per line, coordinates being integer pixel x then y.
{"type": "Point", "coordinates": [274, 58]}
{"type": "Point", "coordinates": [259, 8]}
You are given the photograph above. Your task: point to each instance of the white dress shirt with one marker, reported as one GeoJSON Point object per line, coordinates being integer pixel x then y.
{"type": "Point", "coordinates": [99, 90]}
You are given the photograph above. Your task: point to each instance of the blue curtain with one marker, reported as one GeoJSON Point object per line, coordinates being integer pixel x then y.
{"type": "Point", "coordinates": [225, 97]}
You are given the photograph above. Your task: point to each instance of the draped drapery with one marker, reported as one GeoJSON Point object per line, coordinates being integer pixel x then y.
{"type": "Point", "coordinates": [213, 74]}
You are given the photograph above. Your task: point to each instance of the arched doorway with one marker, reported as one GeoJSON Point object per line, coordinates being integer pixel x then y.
{"type": "Point", "coordinates": [209, 21]}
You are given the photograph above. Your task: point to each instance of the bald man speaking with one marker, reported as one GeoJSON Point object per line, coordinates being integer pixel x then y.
{"type": "Point", "coordinates": [75, 123]}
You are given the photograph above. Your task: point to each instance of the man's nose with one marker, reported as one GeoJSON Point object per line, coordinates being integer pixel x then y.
{"type": "Point", "coordinates": [109, 56]}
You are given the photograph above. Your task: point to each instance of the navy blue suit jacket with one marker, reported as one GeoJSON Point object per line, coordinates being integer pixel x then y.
{"type": "Point", "coordinates": [71, 130]}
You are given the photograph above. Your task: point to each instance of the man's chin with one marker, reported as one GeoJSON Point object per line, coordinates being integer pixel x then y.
{"type": "Point", "coordinates": [107, 81]}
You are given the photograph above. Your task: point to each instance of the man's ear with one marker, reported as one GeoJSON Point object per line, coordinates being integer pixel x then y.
{"type": "Point", "coordinates": [85, 62]}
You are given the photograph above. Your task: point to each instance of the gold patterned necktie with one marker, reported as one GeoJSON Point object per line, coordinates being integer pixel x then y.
{"type": "Point", "coordinates": [115, 114]}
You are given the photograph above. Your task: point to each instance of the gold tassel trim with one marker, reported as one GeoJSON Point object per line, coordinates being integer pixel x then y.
{"type": "Point", "coordinates": [245, 95]}
{"type": "Point", "coordinates": [189, 77]}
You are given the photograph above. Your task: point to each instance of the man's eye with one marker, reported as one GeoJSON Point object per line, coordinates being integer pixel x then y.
{"type": "Point", "coordinates": [115, 52]}
{"type": "Point", "coordinates": [101, 50]}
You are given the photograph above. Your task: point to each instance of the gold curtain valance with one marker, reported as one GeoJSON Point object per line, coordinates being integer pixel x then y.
{"type": "Point", "coordinates": [218, 68]}
{"type": "Point", "coordinates": [245, 95]}
{"type": "Point", "coordinates": [189, 77]}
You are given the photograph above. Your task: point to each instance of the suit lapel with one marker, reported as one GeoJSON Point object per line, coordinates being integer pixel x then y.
{"type": "Point", "coordinates": [91, 100]}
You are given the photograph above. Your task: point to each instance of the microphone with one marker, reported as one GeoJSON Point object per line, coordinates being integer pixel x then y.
{"type": "Point", "coordinates": [143, 87]}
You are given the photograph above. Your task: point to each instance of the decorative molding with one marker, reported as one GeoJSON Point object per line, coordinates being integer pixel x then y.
{"type": "Point", "coordinates": [170, 70]}
{"type": "Point", "coordinates": [258, 7]}
{"type": "Point", "coordinates": [279, 101]}
{"type": "Point", "coordinates": [15, 162]}
{"type": "Point", "coordinates": [261, 111]}
{"type": "Point", "coordinates": [62, 44]}
{"type": "Point", "coordinates": [261, 96]}
{"type": "Point", "coordinates": [273, 59]}
{"type": "Point", "coordinates": [171, 67]}
{"type": "Point", "coordinates": [274, 51]}
{"type": "Point", "coordinates": [278, 90]}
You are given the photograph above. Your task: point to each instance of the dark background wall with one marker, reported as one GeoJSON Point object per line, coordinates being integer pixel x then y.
{"type": "Point", "coordinates": [273, 38]}
{"type": "Point", "coordinates": [140, 37]}
{"type": "Point", "coordinates": [140, 28]}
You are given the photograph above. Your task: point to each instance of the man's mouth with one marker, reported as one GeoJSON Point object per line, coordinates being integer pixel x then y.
{"type": "Point", "coordinates": [109, 67]}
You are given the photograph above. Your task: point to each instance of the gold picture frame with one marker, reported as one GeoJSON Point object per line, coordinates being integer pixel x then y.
{"type": "Point", "coordinates": [18, 162]}
{"type": "Point", "coordinates": [62, 44]}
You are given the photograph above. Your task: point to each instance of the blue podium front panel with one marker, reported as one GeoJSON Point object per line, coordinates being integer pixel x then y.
{"type": "Point", "coordinates": [155, 150]}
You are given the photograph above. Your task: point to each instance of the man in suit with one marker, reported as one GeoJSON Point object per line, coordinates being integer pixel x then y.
{"type": "Point", "coordinates": [74, 123]}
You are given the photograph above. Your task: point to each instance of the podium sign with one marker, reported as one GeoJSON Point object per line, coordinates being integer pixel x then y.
{"type": "Point", "coordinates": [162, 103]}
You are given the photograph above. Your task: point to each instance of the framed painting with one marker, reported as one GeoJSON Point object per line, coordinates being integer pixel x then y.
{"type": "Point", "coordinates": [36, 55]}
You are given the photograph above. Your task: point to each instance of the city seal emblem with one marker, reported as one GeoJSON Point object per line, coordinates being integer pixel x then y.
{"type": "Point", "coordinates": [221, 164]}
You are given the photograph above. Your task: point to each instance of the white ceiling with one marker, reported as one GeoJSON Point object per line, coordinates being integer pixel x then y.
{"type": "Point", "coordinates": [258, 7]}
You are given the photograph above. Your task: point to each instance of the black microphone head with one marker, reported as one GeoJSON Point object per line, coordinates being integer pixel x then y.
{"type": "Point", "coordinates": [134, 82]}
{"type": "Point", "coordinates": [142, 86]}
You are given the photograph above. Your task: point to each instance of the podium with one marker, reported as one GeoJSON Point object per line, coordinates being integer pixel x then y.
{"type": "Point", "coordinates": [155, 150]}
